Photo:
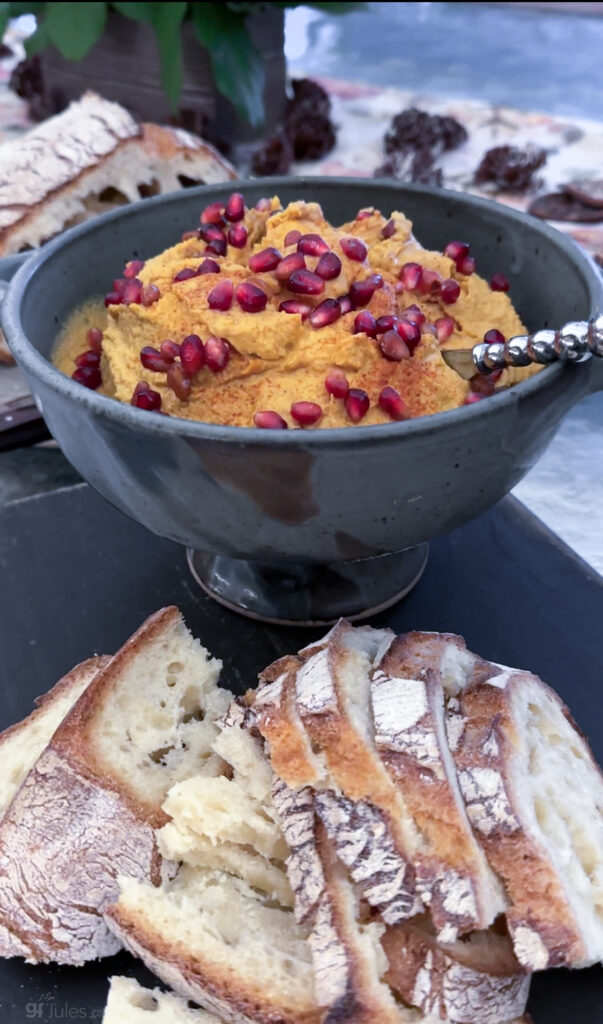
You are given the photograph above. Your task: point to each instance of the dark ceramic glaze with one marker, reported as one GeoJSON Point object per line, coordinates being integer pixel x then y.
{"type": "Point", "coordinates": [305, 496]}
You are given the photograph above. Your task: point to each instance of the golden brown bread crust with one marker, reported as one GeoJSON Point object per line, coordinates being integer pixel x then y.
{"type": "Point", "coordinates": [194, 979]}
{"type": "Point", "coordinates": [540, 913]}
{"type": "Point", "coordinates": [273, 703]}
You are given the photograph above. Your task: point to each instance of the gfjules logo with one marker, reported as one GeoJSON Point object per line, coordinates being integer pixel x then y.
{"type": "Point", "coordinates": [47, 1008]}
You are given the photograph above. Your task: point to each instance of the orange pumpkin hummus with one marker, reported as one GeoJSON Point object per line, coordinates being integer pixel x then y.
{"type": "Point", "coordinates": [276, 358]}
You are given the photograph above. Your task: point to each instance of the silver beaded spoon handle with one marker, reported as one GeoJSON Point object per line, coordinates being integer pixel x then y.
{"type": "Point", "coordinates": [576, 342]}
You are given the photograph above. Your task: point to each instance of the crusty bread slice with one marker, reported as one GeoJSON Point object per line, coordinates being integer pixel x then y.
{"type": "Point", "coordinates": [408, 707]}
{"type": "Point", "coordinates": [475, 980]}
{"type": "Point", "coordinates": [130, 1003]}
{"type": "Point", "coordinates": [22, 744]}
{"type": "Point", "coordinates": [95, 156]}
{"type": "Point", "coordinates": [88, 808]}
{"type": "Point", "coordinates": [534, 795]}
{"type": "Point", "coordinates": [213, 939]}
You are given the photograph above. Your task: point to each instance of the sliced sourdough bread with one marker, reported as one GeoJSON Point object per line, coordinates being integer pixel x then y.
{"type": "Point", "coordinates": [87, 810]}
{"type": "Point", "coordinates": [130, 1003]}
{"type": "Point", "coordinates": [475, 980]}
{"type": "Point", "coordinates": [22, 744]}
{"type": "Point", "coordinates": [534, 795]}
{"type": "Point", "coordinates": [409, 715]}
{"type": "Point", "coordinates": [95, 156]}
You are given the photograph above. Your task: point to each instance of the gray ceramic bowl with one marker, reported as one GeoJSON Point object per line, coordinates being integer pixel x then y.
{"type": "Point", "coordinates": [294, 525]}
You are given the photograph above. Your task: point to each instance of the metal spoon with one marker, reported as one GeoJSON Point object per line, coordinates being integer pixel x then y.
{"type": "Point", "coordinates": [576, 342]}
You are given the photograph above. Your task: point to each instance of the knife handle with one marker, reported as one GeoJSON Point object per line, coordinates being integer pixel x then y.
{"type": "Point", "coordinates": [21, 427]}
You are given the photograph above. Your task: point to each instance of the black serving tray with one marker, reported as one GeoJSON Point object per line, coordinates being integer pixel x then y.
{"type": "Point", "coordinates": [78, 577]}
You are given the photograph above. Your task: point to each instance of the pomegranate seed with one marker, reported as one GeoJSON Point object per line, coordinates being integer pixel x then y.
{"type": "Point", "coordinates": [363, 214]}
{"type": "Point", "coordinates": [312, 245]}
{"type": "Point", "coordinates": [179, 382]}
{"type": "Point", "coordinates": [262, 204]}
{"type": "Point", "coordinates": [294, 306]}
{"type": "Point", "coordinates": [235, 207]}
{"type": "Point", "coordinates": [94, 337]}
{"type": "Point", "coordinates": [186, 235]}
{"type": "Point", "coordinates": [150, 294]}
{"type": "Point", "coordinates": [389, 229]}
{"type": "Point", "coordinates": [269, 420]}
{"type": "Point", "coordinates": [220, 297]}
{"type": "Point", "coordinates": [409, 333]}
{"type": "Point", "coordinates": [386, 323]}
{"type": "Point", "coordinates": [217, 353]}
{"type": "Point", "coordinates": [146, 398]}
{"type": "Point", "coordinates": [466, 266]}
{"type": "Point", "coordinates": [294, 261]}
{"type": "Point", "coordinates": [217, 246]}
{"type": "Point", "coordinates": [444, 327]}
{"type": "Point", "coordinates": [345, 304]}
{"type": "Point", "coordinates": [119, 284]}
{"type": "Point", "coordinates": [411, 275]}
{"type": "Point", "coordinates": [133, 268]}
{"type": "Point", "coordinates": [354, 249]}
{"type": "Point", "coordinates": [213, 214]}
{"type": "Point", "coordinates": [431, 282]}
{"type": "Point", "coordinates": [212, 233]}
{"type": "Point", "coordinates": [152, 359]}
{"type": "Point", "coordinates": [393, 404]}
{"type": "Point", "coordinates": [361, 292]}
{"type": "Point", "coordinates": [185, 274]}
{"type": "Point", "coordinates": [192, 354]}
{"type": "Point", "coordinates": [393, 347]}
{"type": "Point", "coordinates": [473, 397]}
{"type": "Point", "coordinates": [499, 283]}
{"type": "Point", "coordinates": [88, 358]}
{"type": "Point", "coordinates": [306, 413]}
{"type": "Point", "coordinates": [292, 237]}
{"type": "Point", "coordinates": [89, 376]}
{"type": "Point", "coordinates": [267, 259]}
{"type": "Point", "coordinates": [304, 282]}
{"type": "Point", "coordinates": [456, 250]}
{"type": "Point", "coordinates": [414, 314]}
{"type": "Point", "coordinates": [113, 299]}
{"type": "Point", "coordinates": [237, 236]}
{"type": "Point", "coordinates": [357, 404]}
{"type": "Point", "coordinates": [328, 266]}
{"type": "Point", "coordinates": [132, 292]}
{"type": "Point", "coordinates": [170, 350]}
{"type": "Point", "coordinates": [494, 337]}
{"type": "Point", "coordinates": [208, 266]}
{"type": "Point", "coordinates": [251, 299]}
{"type": "Point", "coordinates": [327, 312]}
{"type": "Point", "coordinates": [484, 385]}
{"type": "Point", "coordinates": [336, 383]}
{"type": "Point", "coordinates": [450, 291]}
{"type": "Point", "coordinates": [365, 324]}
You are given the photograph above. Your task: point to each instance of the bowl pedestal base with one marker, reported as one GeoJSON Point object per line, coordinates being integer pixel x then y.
{"type": "Point", "coordinates": [308, 595]}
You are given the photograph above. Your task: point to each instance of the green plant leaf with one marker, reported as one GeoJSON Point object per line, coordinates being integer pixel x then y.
{"type": "Point", "coordinates": [138, 12]}
{"type": "Point", "coordinates": [38, 40]}
{"type": "Point", "coordinates": [237, 66]}
{"type": "Point", "coordinates": [166, 22]}
{"type": "Point", "coordinates": [5, 16]}
{"type": "Point", "coordinates": [75, 27]}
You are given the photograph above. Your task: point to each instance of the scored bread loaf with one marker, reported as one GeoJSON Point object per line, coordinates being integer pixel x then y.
{"type": "Point", "coordinates": [88, 808]}
{"type": "Point", "coordinates": [534, 795]}
{"type": "Point", "coordinates": [130, 1003]}
{"type": "Point", "coordinates": [409, 715]}
{"type": "Point", "coordinates": [22, 744]}
{"type": "Point", "coordinates": [95, 156]}
{"type": "Point", "coordinates": [475, 980]}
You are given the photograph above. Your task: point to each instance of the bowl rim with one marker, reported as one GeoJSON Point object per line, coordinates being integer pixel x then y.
{"type": "Point", "coordinates": [34, 363]}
